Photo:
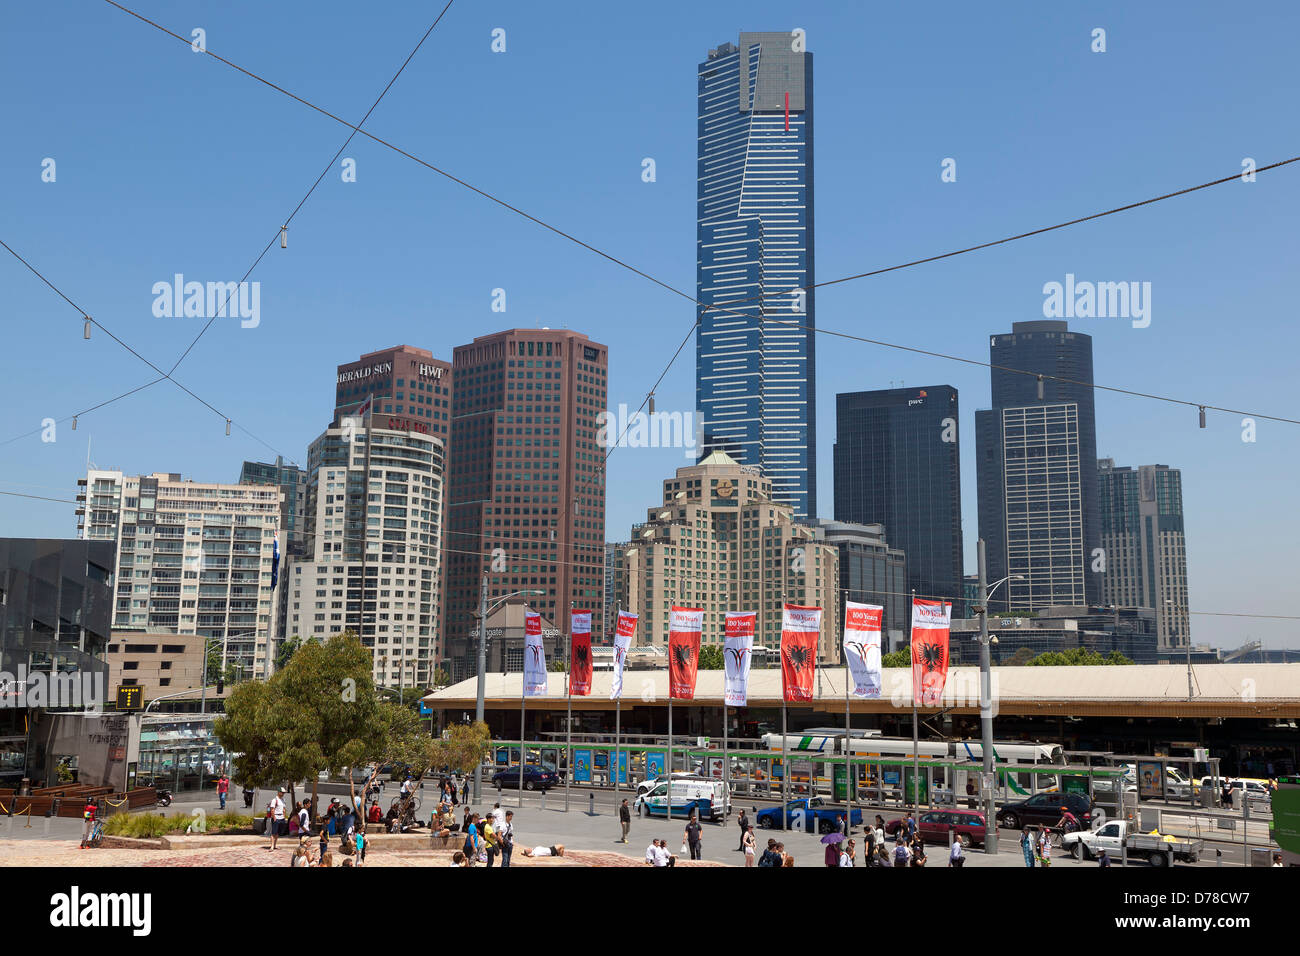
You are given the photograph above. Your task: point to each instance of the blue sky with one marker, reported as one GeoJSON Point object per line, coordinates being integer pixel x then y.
{"type": "Point", "coordinates": [169, 162]}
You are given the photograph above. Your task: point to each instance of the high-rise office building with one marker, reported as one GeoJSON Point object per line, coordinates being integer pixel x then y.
{"type": "Point", "coordinates": [374, 523]}
{"type": "Point", "coordinates": [192, 558]}
{"type": "Point", "coordinates": [411, 390]}
{"type": "Point", "coordinates": [613, 571]}
{"type": "Point", "coordinates": [898, 464]}
{"type": "Point", "coordinates": [1141, 517]}
{"type": "Point", "coordinates": [872, 571]}
{"type": "Point", "coordinates": [756, 377]}
{"type": "Point", "coordinates": [526, 479]}
{"type": "Point", "coordinates": [1035, 451]}
{"type": "Point", "coordinates": [719, 541]}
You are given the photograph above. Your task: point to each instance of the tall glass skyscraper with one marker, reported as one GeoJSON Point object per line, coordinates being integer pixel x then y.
{"type": "Point", "coordinates": [1035, 455]}
{"type": "Point", "coordinates": [898, 463]}
{"type": "Point", "coordinates": [755, 377]}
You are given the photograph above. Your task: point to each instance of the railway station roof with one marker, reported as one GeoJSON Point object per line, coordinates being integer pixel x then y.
{"type": "Point", "coordinates": [1146, 690]}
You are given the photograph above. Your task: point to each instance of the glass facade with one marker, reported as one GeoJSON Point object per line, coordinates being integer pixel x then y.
{"type": "Point", "coordinates": [873, 572]}
{"type": "Point", "coordinates": [1016, 483]}
{"type": "Point", "coordinates": [56, 605]}
{"type": "Point", "coordinates": [180, 754]}
{"type": "Point", "coordinates": [755, 378]}
{"type": "Point", "coordinates": [897, 464]}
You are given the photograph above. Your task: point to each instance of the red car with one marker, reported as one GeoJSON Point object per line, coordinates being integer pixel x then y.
{"type": "Point", "coordinates": [935, 824]}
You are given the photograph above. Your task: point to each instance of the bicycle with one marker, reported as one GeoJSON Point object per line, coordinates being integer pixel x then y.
{"type": "Point", "coordinates": [96, 838]}
{"type": "Point", "coordinates": [1054, 834]}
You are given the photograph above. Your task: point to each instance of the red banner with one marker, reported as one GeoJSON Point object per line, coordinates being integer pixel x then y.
{"type": "Point", "coordinates": [930, 620]}
{"type": "Point", "coordinates": [800, 630]}
{"type": "Point", "coordinates": [684, 651]}
{"type": "Point", "coordinates": [580, 653]}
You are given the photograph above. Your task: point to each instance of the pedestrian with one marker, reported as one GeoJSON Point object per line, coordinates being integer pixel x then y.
{"type": "Point", "coordinates": [471, 837]}
{"type": "Point", "coordinates": [956, 857]}
{"type": "Point", "coordinates": [324, 843]}
{"type": "Point", "coordinates": [902, 854]}
{"type": "Point", "coordinates": [652, 853]}
{"type": "Point", "coordinates": [917, 847]}
{"type": "Point", "coordinates": [464, 791]}
{"type": "Point", "coordinates": [693, 837]}
{"type": "Point", "coordinates": [831, 857]}
{"type": "Point", "coordinates": [275, 816]}
{"type": "Point", "coordinates": [88, 815]}
{"type": "Point", "coordinates": [770, 857]}
{"type": "Point", "coordinates": [506, 836]}
{"type": "Point", "coordinates": [625, 819]}
{"type": "Point", "coordinates": [1103, 859]}
{"type": "Point", "coordinates": [747, 843]}
{"type": "Point", "coordinates": [868, 845]}
{"type": "Point", "coordinates": [1277, 861]}
{"type": "Point", "coordinates": [223, 787]}
{"type": "Point", "coordinates": [361, 844]}
{"type": "Point", "coordinates": [489, 840]}
{"type": "Point", "coordinates": [1027, 846]}
{"type": "Point", "coordinates": [744, 828]}
{"type": "Point", "coordinates": [498, 817]}
{"type": "Point", "coordinates": [911, 827]}
{"type": "Point", "coordinates": [1044, 847]}
{"type": "Point", "coordinates": [304, 818]}
{"type": "Point", "coordinates": [847, 854]}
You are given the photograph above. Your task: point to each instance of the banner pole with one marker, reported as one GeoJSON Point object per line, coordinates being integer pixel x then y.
{"type": "Point", "coordinates": [849, 785]}
{"type": "Point", "coordinates": [916, 734]}
{"type": "Point", "coordinates": [522, 752]}
{"type": "Point", "coordinates": [726, 761]}
{"type": "Point", "coordinates": [568, 720]}
{"type": "Point", "coordinates": [785, 771]}
{"type": "Point", "coordinates": [618, 752]}
{"type": "Point", "coordinates": [668, 754]}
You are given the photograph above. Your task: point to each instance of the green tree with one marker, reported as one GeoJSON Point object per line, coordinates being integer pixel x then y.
{"type": "Point", "coordinates": [898, 658]}
{"type": "Point", "coordinates": [462, 747]}
{"type": "Point", "coordinates": [711, 657]}
{"type": "Point", "coordinates": [1077, 657]}
{"type": "Point", "coordinates": [440, 678]}
{"type": "Point", "coordinates": [286, 651]}
{"type": "Point", "coordinates": [320, 713]}
{"type": "Point", "coordinates": [556, 666]}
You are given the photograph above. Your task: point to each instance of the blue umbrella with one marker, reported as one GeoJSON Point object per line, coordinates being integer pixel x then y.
{"type": "Point", "coordinates": [833, 838]}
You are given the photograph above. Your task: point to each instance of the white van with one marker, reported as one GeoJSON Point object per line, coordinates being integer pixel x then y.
{"type": "Point", "coordinates": [645, 786]}
{"type": "Point", "coordinates": [707, 798]}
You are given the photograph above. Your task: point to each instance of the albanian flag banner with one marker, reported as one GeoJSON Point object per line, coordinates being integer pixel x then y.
{"type": "Point", "coordinates": [930, 620]}
{"type": "Point", "coordinates": [862, 646]}
{"type": "Point", "coordinates": [736, 651]}
{"type": "Point", "coordinates": [624, 631]}
{"type": "Point", "coordinates": [534, 656]}
{"type": "Point", "coordinates": [580, 653]}
{"type": "Point", "coordinates": [800, 629]}
{"type": "Point", "coordinates": [684, 651]}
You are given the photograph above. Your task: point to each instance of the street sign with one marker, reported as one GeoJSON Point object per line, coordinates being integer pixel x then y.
{"type": "Point", "coordinates": [130, 698]}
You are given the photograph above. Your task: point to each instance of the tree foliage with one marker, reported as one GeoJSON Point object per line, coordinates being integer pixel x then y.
{"type": "Point", "coordinates": [462, 747]}
{"type": "Point", "coordinates": [319, 713]}
{"type": "Point", "coordinates": [711, 657]}
{"type": "Point", "coordinates": [1077, 657]}
{"type": "Point", "coordinates": [1021, 657]}
{"type": "Point", "coordinates": [898, 658]}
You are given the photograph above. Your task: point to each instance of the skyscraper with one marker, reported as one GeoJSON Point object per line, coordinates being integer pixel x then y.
{"type": "Point", "coordinates": [898, 464]}
{"type": "Point", "coordinates": [1035, 452]}
{"type": "Point", "coordinates": [756, 378]}
{"type": "Point", "coordinates": [1141, 513]}
{"type": "Point", "coordinates": [526, 479]}
{"type": "Point", "coordinates": [407, 384]}
{"type": "Point", "coordinates": [373, 527]}
{"type": "Point", "coordinates": [192, 558]}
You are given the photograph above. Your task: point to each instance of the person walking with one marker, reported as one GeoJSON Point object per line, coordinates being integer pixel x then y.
{"type": "Point", "coordinates": [624, 819]}
{"type": "Point", "coordinates": [489, 840]}
{"type": "Point", "coordinates": [747, 843]}
{"type": "Point", "coordinates": [223, 787]}
{"type": "Point", "coordinates": [471, 837]}
{"type": "Point", "coordinates": [744, 828]}
{"type": "Point", "coordinates": [1044, 847]}
{"type": "Point", "coordinates": [1103, 858]}
{"type": "Point", "coordinates": [847, 854]}
{"type": "Point", "coordinates": [275, 816]}
{"type": "Point", "coordinates": [693, 837]}
{"type": "Point", "coordinates": [902, 854]}
{"type": "Point", "coordinates": [304, 818]}
{"type": "Point", "coordinates": [506, 836]}
{"type": "Point", "coordinates": [1027, 847]}
{"type": "Point", "coordinates": [464, 791]}
{"type": "Point", "coordinates": [956, 857]}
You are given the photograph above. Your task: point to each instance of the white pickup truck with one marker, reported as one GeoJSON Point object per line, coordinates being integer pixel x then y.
{"type": "Point", "coordinates": [1111, 837]}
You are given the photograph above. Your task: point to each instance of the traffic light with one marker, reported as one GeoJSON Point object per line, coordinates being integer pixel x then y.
{"type": "Point", "coordinates": [221, 685]}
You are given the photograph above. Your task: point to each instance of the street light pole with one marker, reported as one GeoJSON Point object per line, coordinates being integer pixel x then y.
{"type": "Point", "coordinates": [483, 612]}
{"type": "Point", "coordinates": [986, 712]}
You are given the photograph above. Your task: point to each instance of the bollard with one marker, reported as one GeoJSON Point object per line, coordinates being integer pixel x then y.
{"type": "Point", "coordinates": [543, 799]}
{"type": "Point", "coordinates": [591, 804]}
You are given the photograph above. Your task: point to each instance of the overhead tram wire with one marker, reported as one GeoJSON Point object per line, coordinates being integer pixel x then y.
{"type": "Point", "coordinates": [168, 374]}
{"type": "Point", "coordinates": [328, 166]}
{"type": "Point", "coordinates": [861, 275]}
{"type": "Point", "coordinates": [447, 550]}
{"type": "Point", "coordinates": [730, 307]}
